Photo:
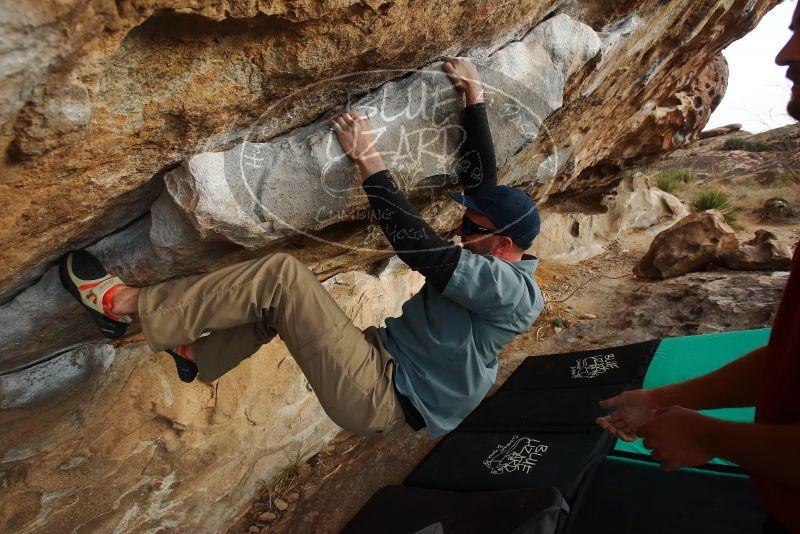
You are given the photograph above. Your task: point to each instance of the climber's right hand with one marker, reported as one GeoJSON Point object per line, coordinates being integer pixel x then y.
{"type": "Point", "coordinates": [464, 75]}
{"type": "Point", "coordinates": [357, 137]}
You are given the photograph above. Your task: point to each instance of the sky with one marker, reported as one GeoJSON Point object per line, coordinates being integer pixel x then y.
{"type": "Point", "coordinates": [757, 88]}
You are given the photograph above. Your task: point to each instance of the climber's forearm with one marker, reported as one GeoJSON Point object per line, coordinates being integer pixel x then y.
{"type": "Point", "coordinates": [369, 164]}
{"type": "Point", "coordinates": [415, 242]}
{"type": "Point", "coordinates": [473, 93]}
{"type": "Point", "coordinates": [477, 167]}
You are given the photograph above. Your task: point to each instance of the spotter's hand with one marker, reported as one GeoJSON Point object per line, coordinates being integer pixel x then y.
{"type": "Point", "coordinates": [629, 410]}
{"type": "Point", "coordinates": [676, 437]}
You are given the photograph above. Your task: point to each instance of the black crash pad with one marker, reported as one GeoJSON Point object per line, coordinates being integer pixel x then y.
{"type": "Point", "coordinates": [563, 409]}
{"type": "Point", "coordinates": [589, 368]}
{"type": "Point", "coordinates": [481, 461]}
{"type": "Point", "coordinates": [404, 510]}
{"type": "Point", "coordinates": [626, 497]}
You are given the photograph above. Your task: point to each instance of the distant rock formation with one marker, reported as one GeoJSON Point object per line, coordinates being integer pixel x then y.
{"type": "Point", "coordinates": [722, 130]}
{"type": "Point", "coordinates": [689, 245]}
{"type": "Point", "coordinates": [632, 206]}
{"type": "Point", "coordinates": [705, 239]}
{"type": "Point", "coordinates": [762, 253]}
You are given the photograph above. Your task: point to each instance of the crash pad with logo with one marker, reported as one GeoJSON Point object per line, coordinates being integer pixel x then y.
{"type": "Point", "coordinates": [538, 432]}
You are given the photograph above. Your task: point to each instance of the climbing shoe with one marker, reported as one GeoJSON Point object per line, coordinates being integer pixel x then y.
{"type": "Point", "coordinates": [187, 370]}
{"type": "Point", "coordinates": [87, 281]}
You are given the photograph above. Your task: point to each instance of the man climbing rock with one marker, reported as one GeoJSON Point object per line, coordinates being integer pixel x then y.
{"type": "Point", "coordinates": [429, 367]}
{"type": "Point", "coordinates": [768, 377]}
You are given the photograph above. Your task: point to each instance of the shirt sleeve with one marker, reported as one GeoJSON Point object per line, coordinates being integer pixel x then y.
{"type": "Point", "coordinates": [414, 241]}
{"type": "Point", "coordinates": [486, 286]}
{"type": "Point", "coordinates": [477, 167]}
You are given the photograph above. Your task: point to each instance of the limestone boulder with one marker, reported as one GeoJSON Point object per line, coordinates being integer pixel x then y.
{"type": "Point", "coordinates": [762, 253]}
{"type": "Point", "coordinates": [251, 195]}
{"type": "Point", "coordinates": [130, 447]}
{"type": "Point", "coordinates": [26, 341]}
{"type": "Point", "coordinates": [256, 195]}
{"type": "Point", "coordinates": [176, 137]}
{"type": "Point", "coordinates": [679, 118]}
{"type": "Point", "coordinates": [634, 205]}
{"type": "Point", "coordinates": [166, 81]}
{"type": "Point", "coordinates": [99, 100]}
{"type": "Point", "coordinates": [106, 438]}
{"type": "Point", "coordinates": [777, 210]}
{"type": "Point", "coordinates": [689, 245]}
{"type": "Point", "coordinates": [722, 130]}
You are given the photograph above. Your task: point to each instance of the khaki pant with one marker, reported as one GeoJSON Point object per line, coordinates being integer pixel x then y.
{"type": "Point", "coordinates": [243, 306]}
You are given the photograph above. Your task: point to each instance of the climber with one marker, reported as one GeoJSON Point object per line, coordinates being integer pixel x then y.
{"type": "Point", "coordinates": [427, 368]}
{"type": "Point", "coordinates": [768, 377]}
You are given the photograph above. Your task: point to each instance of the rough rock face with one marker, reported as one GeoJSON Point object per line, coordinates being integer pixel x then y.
{"type": "Point", "coordinates": [172, 78]}
{"type": "Point", "coordinates": [689, 245]}
{"type": "Point", "coordinates": [678, 119]}
{"type": "Point", "coordinates": [124, 446]}
{"type": "Point", "coordinates": [166, 80]}
{"type": "Point", "coordinates": [116, 116]}
{"type": "Point", "coordinates": [762, 253]}
{"type": "Point", "coordinates": [250, 194]}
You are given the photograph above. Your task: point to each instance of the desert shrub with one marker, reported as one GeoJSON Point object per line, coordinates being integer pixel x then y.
{"type": "Point", "coordinates": [788, 176]}
{"type": "Point", "coordinates": [714, 199]}
{"type": "Point", "coordinates": [670, 179]}
{"type": "Point", "coordinates": [737, 143]}
{"type": "Point", "coordinates": [667, 183]}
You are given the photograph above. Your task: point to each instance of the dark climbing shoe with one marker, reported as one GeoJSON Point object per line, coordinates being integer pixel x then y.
{"type": "Point", "coordinates": [87, 281]}
{"type": "Point", "coordinates": [187, 370]}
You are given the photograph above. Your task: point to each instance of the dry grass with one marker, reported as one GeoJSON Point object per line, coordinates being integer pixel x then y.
{"type": "Point", "coordinates": [289, 480]}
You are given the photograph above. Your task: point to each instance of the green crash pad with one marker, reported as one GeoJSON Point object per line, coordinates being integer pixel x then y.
{"type": "Point", "coordinates": [681, 358]}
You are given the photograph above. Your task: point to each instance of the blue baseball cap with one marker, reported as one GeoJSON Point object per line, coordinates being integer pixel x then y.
{"type": "Point", "coordinates": [511, 210]}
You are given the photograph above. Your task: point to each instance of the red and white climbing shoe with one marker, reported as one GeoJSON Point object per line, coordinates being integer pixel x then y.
{"type": "Point", "coordinates": [87, 281]}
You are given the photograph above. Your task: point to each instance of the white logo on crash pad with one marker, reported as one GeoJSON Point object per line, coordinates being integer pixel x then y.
{"type": "Point", "coordinates": [593, 366]}
{"type": "Point", "coordinates": [519, 454]}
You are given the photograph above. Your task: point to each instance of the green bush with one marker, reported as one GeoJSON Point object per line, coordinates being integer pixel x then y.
{"type": "Point", "coordinates": [737, 143]}
{"type": "Point", "coordinates": [670, 179]}
{"type": "Point", "coordinates": [714, 199]}
{"type": "Point", "coordinates": [667, 183]}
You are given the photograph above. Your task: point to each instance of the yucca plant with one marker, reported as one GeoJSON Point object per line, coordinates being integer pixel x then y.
{"type": "Point", "coordinates": [671, 179]}
{"type": "Point", "coordinates": [715, 199]}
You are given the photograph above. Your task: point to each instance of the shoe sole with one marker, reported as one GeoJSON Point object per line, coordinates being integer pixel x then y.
{"type": "Point", "coordinates": [187, 370]}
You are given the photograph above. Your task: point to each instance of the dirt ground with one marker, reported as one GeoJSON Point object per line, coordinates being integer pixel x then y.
{"type": "Point", "coordinates": [595, 303]}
